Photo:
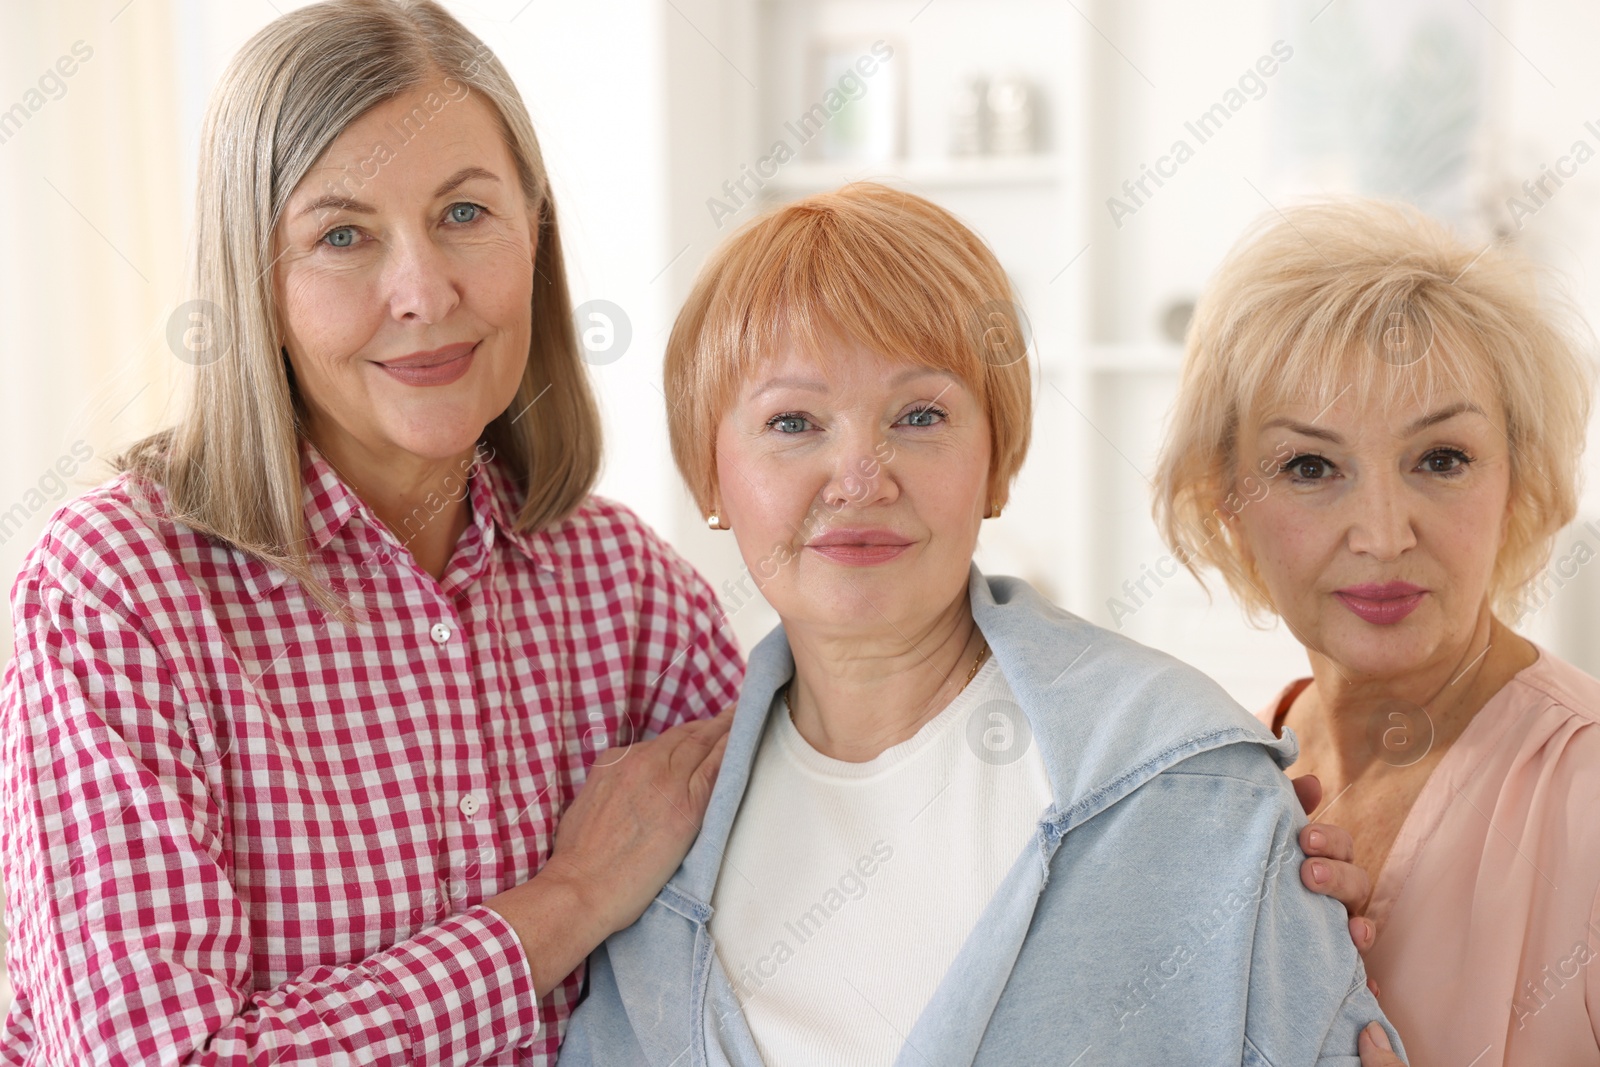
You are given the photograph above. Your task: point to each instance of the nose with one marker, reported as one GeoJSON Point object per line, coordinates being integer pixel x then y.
{"type": "Point", "coordinates": [859, 475]}
{"type": "Point", "coordinates": [1380, 520]}
{"type": "Point", "coordinates": [420, 281]}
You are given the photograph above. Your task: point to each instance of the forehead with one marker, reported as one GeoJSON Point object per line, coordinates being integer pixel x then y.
{"type": "Point", "coordinates": [408, 143]}
{"type": "Point", "coordinates": [1357, 390]}
{"type": "Point", "coordinates": [838, 365]}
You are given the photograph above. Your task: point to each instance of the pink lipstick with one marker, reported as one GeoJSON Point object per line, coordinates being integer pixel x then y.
{"type": "Point", "coordinates": [860, 547]}
{"type": "Point", "coordinates": [1381, 603]}
{"type": "Point", "coordinates": [438, 367]}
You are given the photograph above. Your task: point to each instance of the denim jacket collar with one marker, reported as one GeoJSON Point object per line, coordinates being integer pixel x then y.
{"type": "Point", "coordinates": [1090, 766]}
{"type": "Point", "coordinates": [1109, 716]}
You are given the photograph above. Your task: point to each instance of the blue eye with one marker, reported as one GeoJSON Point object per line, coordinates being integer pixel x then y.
{"type": "Point", "coordinates": [924, 416]}
{"type": "Point", "coordinates": [331, 238]}
{"type": "Point", "coordinates": [788, 423]}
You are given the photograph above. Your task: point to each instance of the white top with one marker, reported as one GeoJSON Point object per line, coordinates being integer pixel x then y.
{"type": "Point", "coordinates": [847, 889]}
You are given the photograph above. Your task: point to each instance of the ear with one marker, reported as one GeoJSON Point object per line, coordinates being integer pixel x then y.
{"type": "Point", "coordinates": [996, 494]}
{"type": "Point", "coordinates": [712, 500]}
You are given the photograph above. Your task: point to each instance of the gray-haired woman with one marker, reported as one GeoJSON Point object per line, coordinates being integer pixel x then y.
{"type": "Point", "coordinates": [300, 696]}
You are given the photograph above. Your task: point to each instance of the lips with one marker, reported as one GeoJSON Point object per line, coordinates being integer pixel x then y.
{"type": "Point", "coordinates": [441, 366]}
{"type": "Point", "coordinates": [1381, 603]}
{"type": "Point", "coordinates": [862, 547]}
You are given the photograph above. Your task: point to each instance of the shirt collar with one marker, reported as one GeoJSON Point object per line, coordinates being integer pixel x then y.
{"type": "Point", "coordinates": [497, 501]}
{"type": "Point", "coordinates": [325, 499]}
{"type": "Point", "coordinates": [328, 504]}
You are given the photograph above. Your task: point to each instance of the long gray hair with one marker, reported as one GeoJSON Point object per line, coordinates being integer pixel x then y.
{"type": "Point", "coordinates": [231, 464]}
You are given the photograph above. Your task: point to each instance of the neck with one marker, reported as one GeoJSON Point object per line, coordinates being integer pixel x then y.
{"type": "Point", "coordinates": [422, 501]}
{"type": "Point", "coordinates": [1345, 718]}
{"type": "Point", "coordinates": [856, 694]}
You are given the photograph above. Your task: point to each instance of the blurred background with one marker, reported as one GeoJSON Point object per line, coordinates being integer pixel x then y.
{"type": "Point", "coordinates": [1052, 127]}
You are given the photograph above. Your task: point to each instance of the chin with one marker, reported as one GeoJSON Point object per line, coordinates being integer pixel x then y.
{"type": "Point", "coordinates": [441, 439]}
{"type": "Point", "coordinates": [1378, 651]}
{"type": "Point", "coordinates": [441, 426]}
{"type": "Point", "coordinates": [837, 603]}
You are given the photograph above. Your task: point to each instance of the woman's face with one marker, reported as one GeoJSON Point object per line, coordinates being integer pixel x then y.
{"type": "Point", "coordinates": [855, 493]}
{"type": "Point", "coordinates": [393, 249]}
{"type": "Point", "coordinates": [1377, 538]}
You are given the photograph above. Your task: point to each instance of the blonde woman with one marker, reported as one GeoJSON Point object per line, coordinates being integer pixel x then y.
{"type": "Point", "coordinates": [302, 697]}
{"type": "Point", "coordinates": [954, 824]}
{"type": "Point", "coordinates": [1415, 408]}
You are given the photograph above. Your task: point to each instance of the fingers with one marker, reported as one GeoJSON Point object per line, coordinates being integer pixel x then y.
{"type": "Point", "coordinates": [702, 732]}
{"type": "Point", "coordinates": [687, 745]}
{"type": "Point", "coordinates": [705, 776]}
{"type": "Point", "coordinates": [713, 761]}
{"type": "Point", "coordinates": [1363, 933]}
{"type": "Point", "coordinates": [1309, 789]}
{"type": "Point", "coordinates": [1329, 841]}
{"type": "Point", "coordinates": [682, 747]}
{"type": "Point", "coordinates": [1375, 1048]}
{"type": "Point", "coordinates": [1328, 868]}
{"type": "Point", "coordinates": [1344, 882]}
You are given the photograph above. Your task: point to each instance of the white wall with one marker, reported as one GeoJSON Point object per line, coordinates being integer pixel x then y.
{"type": "Point", "coordinates": [644, 107]}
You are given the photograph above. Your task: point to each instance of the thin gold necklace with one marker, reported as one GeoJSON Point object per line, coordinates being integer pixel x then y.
{"type": "Point", "coordinates": [983, 653]}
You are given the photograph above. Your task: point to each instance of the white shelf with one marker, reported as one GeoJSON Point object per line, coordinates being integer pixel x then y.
{"type": "Point", "coordinates": [999, 172]}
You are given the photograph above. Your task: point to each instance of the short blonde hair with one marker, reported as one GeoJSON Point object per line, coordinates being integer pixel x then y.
{"type": "Point", "coordinates": [231, 463]}
{"type": "Point", "coordinates": [884, 268]}
{"type": "Point", "coordinates": [1374, 296]}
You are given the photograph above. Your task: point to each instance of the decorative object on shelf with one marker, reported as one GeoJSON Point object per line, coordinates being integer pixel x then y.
{"type": "Point", "coordinates": [969, 118]}
{"type": "Point", "coordinates": [1175, 319]}
{"type": "Point", "coordinates": [1013, 119]}
{"type": "Point", "coordinates": [856, 115]}
{"type": "Point", "coordinates": [995, 117]}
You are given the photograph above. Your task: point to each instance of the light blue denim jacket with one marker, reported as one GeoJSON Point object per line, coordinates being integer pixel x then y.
{"type": "Point", "coordinates": [1156, 916]}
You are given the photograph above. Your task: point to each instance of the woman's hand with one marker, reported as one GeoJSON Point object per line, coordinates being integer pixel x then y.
{"type": "Point", "coordinates": [1375, 1048]}
{"type": "Point", "coordinates": [1328, 869]}
{"type": "Point", "coordinates": [618, 843]}
{"type": "Point", "coordinates": [637, 815]}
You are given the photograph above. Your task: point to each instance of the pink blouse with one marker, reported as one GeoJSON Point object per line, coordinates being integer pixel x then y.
{"type": "Point", "coordinates": [1486, 908]}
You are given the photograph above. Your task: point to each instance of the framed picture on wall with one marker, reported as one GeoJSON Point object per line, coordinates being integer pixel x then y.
{"type": "Point", "coordinates": [856, 101]}
{"type": "Point", "coordinates": [1391, 98]}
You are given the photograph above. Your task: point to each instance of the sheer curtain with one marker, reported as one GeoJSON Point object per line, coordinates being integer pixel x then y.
{"type": "Point", "coordinates": [91, 169]}
{"type": "Point", "coordinates": [99, 116]}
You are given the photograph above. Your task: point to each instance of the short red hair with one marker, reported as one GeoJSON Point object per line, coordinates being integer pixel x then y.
{"type": "Point", "coordinates": [884, 268]}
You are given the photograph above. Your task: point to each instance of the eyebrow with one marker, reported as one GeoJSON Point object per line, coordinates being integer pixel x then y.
{"type": "Point", "coordinates": [1444, 414]}
{"type": "Point", "coordinates": [815, 385]}
{"type": "Point", "coordinates": [359, 207]}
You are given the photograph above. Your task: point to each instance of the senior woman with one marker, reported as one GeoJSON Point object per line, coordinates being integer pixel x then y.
{"type": "Point", "coordinates": [300, 696]}
{"type": "Point", "coordinates": [1404, 413]}
{"type": "Point", "coordinates": [953, 824]}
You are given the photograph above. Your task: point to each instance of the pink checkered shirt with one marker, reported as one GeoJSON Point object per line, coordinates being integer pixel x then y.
{"type": "Point", "coordinates": [236, 833]}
